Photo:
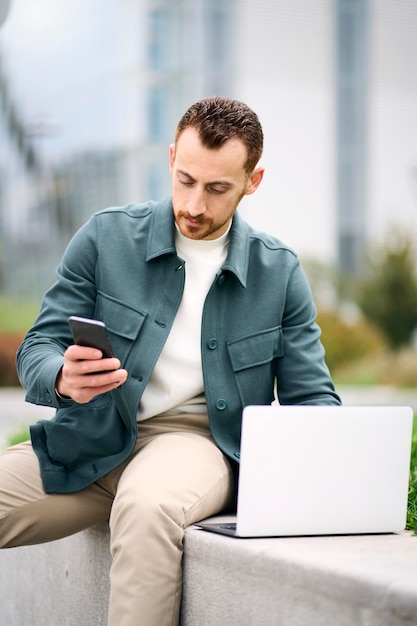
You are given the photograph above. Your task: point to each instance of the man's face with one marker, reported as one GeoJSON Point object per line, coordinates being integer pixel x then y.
{"type": "Point", "coordinates": [207, 185]}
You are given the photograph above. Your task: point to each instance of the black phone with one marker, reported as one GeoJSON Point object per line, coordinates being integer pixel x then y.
{"type": "Point", "coordinates": [90, 333]}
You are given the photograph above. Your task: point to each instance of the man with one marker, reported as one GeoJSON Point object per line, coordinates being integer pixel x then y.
{"type": "Point", "coordinates": [205, 316]}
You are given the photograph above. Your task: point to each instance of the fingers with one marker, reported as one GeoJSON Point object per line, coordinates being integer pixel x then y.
{"type": "Point", "coordinates": [83, 391]}
{"type": "Point", "coordinates": [82, 353]}
{"type": "Point", "coordinates": [85, 374]}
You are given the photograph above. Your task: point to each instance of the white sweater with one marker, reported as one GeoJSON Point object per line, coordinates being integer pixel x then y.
{"type": "Point", "coordinates": [176, 384]}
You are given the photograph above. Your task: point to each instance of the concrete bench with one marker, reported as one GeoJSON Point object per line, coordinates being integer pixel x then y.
{"type": "Point", "coordinates": [62, 583]}
{"type": "Point", "coordinates": [359, 580]}
{"type": "Point", "coordinates": [306, 581]}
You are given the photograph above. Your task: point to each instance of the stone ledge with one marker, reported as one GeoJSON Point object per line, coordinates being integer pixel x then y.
{"type": "Point", "coordinates": [364, 580]}
{"type": "Point", "coordinates": [62, 583]}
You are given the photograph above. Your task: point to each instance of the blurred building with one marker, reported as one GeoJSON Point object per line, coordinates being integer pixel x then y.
{"type": "Point", "coordinates": [107, 110]}
{"type": "Point", "coordinates": [290, 70]}
{"type": "Point", "coordinates": [352, 80]}
{"type": "Point", "coordinates": [90, 94]}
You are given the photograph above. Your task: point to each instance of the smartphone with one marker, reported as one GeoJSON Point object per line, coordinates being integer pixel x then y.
{"type": "Point", "coordinates": [90, 333]}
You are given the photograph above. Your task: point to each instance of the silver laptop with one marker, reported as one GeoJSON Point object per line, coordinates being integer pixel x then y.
{"type": "Point", "coordinates": [322, 470]}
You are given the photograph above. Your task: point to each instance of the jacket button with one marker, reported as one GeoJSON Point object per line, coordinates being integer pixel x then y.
{"type": "Point", "coordinates": [212, 344]}
{"type": "Point", "coordinates": [221, 405]}
{"type": "Point", "coordinates": [220, 279]}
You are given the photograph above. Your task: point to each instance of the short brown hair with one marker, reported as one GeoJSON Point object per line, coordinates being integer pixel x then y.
{"type": "Point", "coordinates": [219, 119]}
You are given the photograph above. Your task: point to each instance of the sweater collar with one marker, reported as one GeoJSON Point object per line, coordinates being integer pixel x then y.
{"type": "Point", "coordinates": [161, 240]}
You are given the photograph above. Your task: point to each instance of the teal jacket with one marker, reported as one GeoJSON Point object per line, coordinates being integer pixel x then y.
{"type": "Point", "coordinates": [258, 332]}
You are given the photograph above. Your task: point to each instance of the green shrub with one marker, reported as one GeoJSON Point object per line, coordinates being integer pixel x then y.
{"type": "Point", "coordinates": [388, 293]}
{"type": "Point", "coordinates": [16, 317]}
{"type": "Point", "coordinates": [9, 343]}
{"type": "Point", "coordinates": [348, 342]}
{"type": "Point", "coordinates": [400, 369]}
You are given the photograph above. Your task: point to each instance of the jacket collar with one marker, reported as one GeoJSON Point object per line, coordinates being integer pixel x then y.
{"type": "Point", "coordinates": [237, 260]}
{"type": "Point", "coordinates": [161, 240]}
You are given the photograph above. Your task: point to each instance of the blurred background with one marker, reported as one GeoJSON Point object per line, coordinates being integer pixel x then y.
{"type": "Point", "coordinates": [90, 94]}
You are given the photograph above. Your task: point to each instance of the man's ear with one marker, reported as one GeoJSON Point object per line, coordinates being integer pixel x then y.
{"type": "Point", "coordinates": [255, 180]}
{"type": "Point", "coordinates": [171, 156]}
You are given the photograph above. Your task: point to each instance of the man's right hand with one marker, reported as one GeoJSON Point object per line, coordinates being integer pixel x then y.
{"type": "Point", "coordinates": [85, 374]}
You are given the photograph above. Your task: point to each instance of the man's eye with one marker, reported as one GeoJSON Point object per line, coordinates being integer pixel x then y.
{"type": "Point", "coordinates": [186, 182]}
{"type": "Point", "coordinates": [217, 191]}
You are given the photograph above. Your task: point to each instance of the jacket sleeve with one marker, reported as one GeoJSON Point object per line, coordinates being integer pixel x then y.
{"type": "Point", "coordinates": [302, 374]}
{"type": "Point", "coordinates": [41, 354]}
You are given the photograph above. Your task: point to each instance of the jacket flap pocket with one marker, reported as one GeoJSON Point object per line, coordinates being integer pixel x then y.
{"type": "Point", "coordinates": [120, 318]}
{"type": "Point", "coordinates": [256, 349]}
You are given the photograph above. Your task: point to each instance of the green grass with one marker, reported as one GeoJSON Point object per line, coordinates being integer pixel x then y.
{"type": "Point", "coordinates": [19, 436]}
{"type": "Point", "coordinates": [412, 494]}
{"type": "Point", "coordinates": [17, 315]}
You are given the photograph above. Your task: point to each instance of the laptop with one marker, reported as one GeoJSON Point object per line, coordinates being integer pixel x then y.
{"type": "Point", "coordinates": [321, 470]}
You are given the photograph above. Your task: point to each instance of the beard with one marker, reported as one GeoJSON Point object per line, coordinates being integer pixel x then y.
{"type": "Point", "coordinates": [195, 227]}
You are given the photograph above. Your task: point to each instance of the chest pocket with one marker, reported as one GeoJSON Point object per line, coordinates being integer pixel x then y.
{"type": "Point", "coordinates": [252, 360]}
{"type": "Point", "coordinates": [122, 321]}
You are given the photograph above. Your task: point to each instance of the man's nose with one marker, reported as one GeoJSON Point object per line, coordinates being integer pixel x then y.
{"type": "Point", "coordinates": [197, 204]}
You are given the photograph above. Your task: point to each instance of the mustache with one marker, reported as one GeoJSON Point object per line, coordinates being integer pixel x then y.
{"type": "Point", "coordinates": [187, 216]}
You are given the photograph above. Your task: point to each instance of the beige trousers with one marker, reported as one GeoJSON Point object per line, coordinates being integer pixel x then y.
{"type": "Point", "coordinates": [176, 476]}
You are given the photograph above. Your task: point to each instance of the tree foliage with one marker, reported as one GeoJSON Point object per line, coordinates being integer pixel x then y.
{"type": "Point", "coordinates": [388, 292]}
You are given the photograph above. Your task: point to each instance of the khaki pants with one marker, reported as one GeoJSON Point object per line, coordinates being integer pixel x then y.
{"type": "Point", "coordinates": [175, 477]}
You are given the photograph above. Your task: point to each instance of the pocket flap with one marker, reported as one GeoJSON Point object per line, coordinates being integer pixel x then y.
{"type": "Point", "coordinates": [256, 349]}
{"type": "Point", "coordinates": [120, 318]}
